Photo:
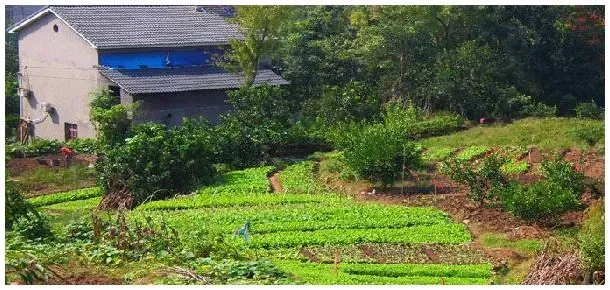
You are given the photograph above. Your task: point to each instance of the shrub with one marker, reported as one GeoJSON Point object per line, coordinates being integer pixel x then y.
{"type": "Point", "coordinates": [562, 172]}
{"type": "Point", "coordinates": [156, 162]}
{"type": "Point", "coordinates": [410, 121]}
{"type": "Point", "coordinates": [379, 152]}
{"type": "Point", "coordinates": [83, 145]}
{"type": "Point", "coordinates": [539, 110]}
{"type": "Point", "coordinates": [20, 216]}
{"type": "Point", "coordinates": [589, 111]}
{"type": "Point", "coordinates": [557, 194]}
{"type": "Point", "coordinates": [10, 126]}
{"type": "Point", "coordinates": [483, 181]}
{"type": "Point", "coordinates": [591, 238]}
{"type": "Point", "coordinates": [544, 199]}
{"type": "Point", "coordinates": [590, 133]}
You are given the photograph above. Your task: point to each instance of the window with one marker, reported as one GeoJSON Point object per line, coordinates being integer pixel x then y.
{"type": "Point", "coordinates": [115, 91]}
{"type": "Point", "coordinates": [71, 131]}
{"type": "Point", "coordinates": [55, 28]}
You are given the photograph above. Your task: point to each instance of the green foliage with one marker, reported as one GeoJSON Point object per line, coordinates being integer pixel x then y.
{"type": "Point", "coordinates": [441, 234]}
{"type": "Point", "coordinates": [37, 147]}
{"type": "Point", "coordinates": [591, 238]}
{"type": "Point", "coordinates": [77, 194]}
{"type": "Point", "coordinates": [258, 126]}
{"type": "Point", "coordinates": [472, 152]}
{"type": "Point", "coordinates": [512, 166]}
{"type": "Point", "coordinates": [261, 27]}
{"type": "Point", "coordinates": [540, 200]}
{"type": "Point", "coordinates": [300, 178]}
{"type": "Point", "coordinates": [547, 133]}
{"type": "Point", "coordinates": [354, 101]}
{"type": "Point", "coordinates": [591, 133]}
{"type": "Point", "coordinates": [112, 120]}
{"type": "Point", "coordinates": [411, 122]}
{"type": "Point", "coordinates": [10, 126]}
{"type": "Point", "coordinates": [483, 180]}
{"type": "Point", "coordinates": [83, 145]}
{"type": "Point", "coordinates": [157, 162]}
{"type": "Point", "coordinates": [11, 98]}
{"type": "Point", "coordinates": [438, 153]}
{"type": "Point", "coordinates": [380, 152]}
{"type": "Point", "coordinates": [527, 246]}
{"type": "Point", "coordinates": [589, 110]}
{"type": "Point", "coordinates": [20, 216]}
{"type": "Point", "coordinates": [539, 110]}
{"type": "Point", "coordinates": [413, 274]}
{"type": "Point", "coordinates": [557, 194]}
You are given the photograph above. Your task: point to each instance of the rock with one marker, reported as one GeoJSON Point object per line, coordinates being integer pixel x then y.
{"type": "Point", "coordinates": [466, 221]}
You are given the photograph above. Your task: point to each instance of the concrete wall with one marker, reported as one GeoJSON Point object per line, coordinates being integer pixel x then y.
{"type": "Point", "coordinates": [170, 108]}
{"type": "Point", "coordinates": [57, 67]}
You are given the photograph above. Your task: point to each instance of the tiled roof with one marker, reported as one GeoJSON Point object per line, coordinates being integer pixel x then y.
{"type": "Point", "coordinates": [143, 81]}
{"type": "Point", "coordinates": [147, 26]}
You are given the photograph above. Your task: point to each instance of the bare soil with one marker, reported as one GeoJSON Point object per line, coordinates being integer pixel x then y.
{"type": "Point", "coordinates": [274, 180]}
{"type": "Point", "coordinates": [18, 166]}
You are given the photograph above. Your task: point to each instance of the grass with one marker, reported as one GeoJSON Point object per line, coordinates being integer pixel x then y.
{"type": "Point", "coordinates": [546, 133]}
{"type": "Point", "coordinates": [77, 194]}
{"type": "Point", "coordinates": [526, 246]}
{"type": "Point", "coordinates": [401, 274]}
{"type": "Point", "coordinates": [56, 179]}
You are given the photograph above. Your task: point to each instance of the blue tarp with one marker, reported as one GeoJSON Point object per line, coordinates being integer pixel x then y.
{"type": "Point", "coordinates": [158, 59]}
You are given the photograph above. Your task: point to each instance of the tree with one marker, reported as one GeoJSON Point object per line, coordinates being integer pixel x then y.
{"type": "Point", "coordinates": [112, 120]}
{"type": "Point", "coordinates": [261, 27]}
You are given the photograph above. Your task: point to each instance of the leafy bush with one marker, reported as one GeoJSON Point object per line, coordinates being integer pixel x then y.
{"type": "Point", "coordinates": [112, 120]}
{"type": "Point", "coordinates": [592, 239]}
{"type": "Point", "coordinates": [411, 122]}
{"type": "Point", "coordinates": [544, 199]}
{"type": "Point", "coordinates": [589, 110]}
{"type": "Point", "coordinates": [591, 133]}
{"type": "Point", "coordinates": [354, 101]}
{"type": "Point", "coordinates": [83, 145]}
{"type": "Point", "coordinates": [258, 125]}
{"type": "Point", "coordinates": [379, 152]}
{"type": "Point", "coordinates": [557, 194]}
{"type": "Point", "coordinates": [563, 173]}
{"type": "Point", "coordinates": [156, 162]}
{"type": "Point", "coordinates": [483, 180]}
{"type": "Point", "coordinates": [539, 110]}
{"type": "Point", "coordinates": [37, 147]}
{"type": "Point", "coordinates": [10, 126]}
{"type": "Point", "coordinates": [20, 216]}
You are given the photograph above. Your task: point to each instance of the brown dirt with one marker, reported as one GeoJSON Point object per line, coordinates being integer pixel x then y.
{"type": "Point", "coordinates": [590, 164]}
{"type": "Point", "coordinates": [276, 186]}
{"type": "Point", "coordinates": [18, 166]}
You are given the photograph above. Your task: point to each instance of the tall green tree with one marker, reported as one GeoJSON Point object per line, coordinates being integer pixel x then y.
{"type": "Point", "coordinates": [261, 27]}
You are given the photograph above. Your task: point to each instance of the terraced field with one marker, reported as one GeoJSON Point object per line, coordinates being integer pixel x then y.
{"type": "Point", "coordinates": [308, 218]}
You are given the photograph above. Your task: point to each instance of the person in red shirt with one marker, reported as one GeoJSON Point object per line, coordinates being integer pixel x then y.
{"type": "Point", "coordinates": [68, 154]}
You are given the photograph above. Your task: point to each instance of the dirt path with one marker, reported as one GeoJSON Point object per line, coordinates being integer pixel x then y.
{"type": "Point", "coordinates": [276, 185]}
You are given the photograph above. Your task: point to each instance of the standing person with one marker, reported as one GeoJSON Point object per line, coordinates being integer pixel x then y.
{"type": "Point", "coordinates": [68, 154]}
